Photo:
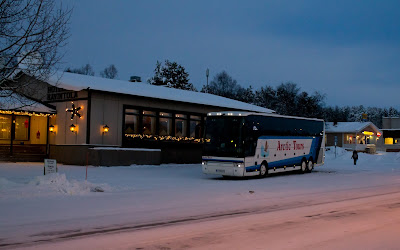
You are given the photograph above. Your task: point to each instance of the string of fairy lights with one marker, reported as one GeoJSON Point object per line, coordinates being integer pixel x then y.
{"type": "Point", "coordinates": [10, 112]}
{"type": "Point", "coordinates": [167, 138]}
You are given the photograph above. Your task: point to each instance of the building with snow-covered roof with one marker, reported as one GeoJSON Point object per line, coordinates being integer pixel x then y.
{"type": "Point", "coordinates": [23, 127]}
{"type": "Point", "coordinates": [360, 136]}
{"type": "Point", "coordinates": [391, 134]}
{"type": "Point", "coordinates": [93, 111]}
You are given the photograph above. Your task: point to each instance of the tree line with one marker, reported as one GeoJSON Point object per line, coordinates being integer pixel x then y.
{"type": "Point", "coordinates": [286, 98]}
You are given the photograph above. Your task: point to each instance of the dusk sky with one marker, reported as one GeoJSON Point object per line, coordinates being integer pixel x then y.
{"type": "Point", "coordinates": [348, 50]}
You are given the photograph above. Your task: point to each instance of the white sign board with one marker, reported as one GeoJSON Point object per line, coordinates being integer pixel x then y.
{"type": "Point", "coordinates": [50, 166]}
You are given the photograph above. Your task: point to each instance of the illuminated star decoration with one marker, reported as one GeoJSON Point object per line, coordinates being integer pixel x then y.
{"type": "Point", "coordinates": [74, 111]}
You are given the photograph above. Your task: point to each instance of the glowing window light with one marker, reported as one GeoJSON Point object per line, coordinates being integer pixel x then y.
{"type": "Point", "coordinates": [388, 140]}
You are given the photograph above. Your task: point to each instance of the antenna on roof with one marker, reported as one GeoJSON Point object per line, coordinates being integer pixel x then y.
{"type": "Point", "coordinates": [135, 79]}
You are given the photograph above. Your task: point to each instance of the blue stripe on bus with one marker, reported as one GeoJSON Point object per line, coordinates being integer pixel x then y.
{"type": "Point", "coordinates": [219, 160]}
{"type": "Point", "coordinates": [253, 168]}
{"type": "Point", "coordinates": [280, 164]}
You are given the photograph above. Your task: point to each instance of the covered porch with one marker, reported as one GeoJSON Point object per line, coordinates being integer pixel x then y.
{"type": "Point", "coordinates": [24, 128]}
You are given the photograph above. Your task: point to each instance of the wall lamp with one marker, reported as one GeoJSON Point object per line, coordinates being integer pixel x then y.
{"type": "Point", "coordinates": [51, 128]}
{"type": "Point", "coordinates": [72, 128]}
{"type": "Point", "coordinates": [106, 129]}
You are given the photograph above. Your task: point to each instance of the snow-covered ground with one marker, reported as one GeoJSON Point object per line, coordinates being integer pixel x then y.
{"type": "Point", "coordinates": [35, 207]}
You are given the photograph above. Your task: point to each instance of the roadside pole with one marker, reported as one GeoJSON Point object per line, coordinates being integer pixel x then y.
{"type": "Point", "coordinates": [87, 163]}
{"type": "Point", "coordinates": [335, 144]}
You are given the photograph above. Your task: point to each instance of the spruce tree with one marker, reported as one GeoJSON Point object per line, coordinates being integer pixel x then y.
{"type": "Point", "coordinates": [172, 75]}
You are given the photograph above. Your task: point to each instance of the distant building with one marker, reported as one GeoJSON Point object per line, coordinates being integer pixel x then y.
{"type": "Point", "coordinates": [98, 112]}
{"type": "Point", "coordinates": [391, 134]}
{"type": "Point", "coordinates": [360, 136]}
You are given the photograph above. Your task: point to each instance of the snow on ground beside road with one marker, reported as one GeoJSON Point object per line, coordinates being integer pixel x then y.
{"type": "Point", "coordinates": [19, 180]}
{"type": "Point", "coordinates": [48, 185]}
{"type": "Point", "coordinates": [31, 203]}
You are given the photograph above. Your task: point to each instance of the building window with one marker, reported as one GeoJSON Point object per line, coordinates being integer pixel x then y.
{"type": "Point", "coordinates": [388, 140]}
{"type": "Point", "coordinates": [22, 128]}
{"type": "Point", "coordinates": [349, 139]}
{"type": "Point", "coordinates": [149, 122]}
{"type": "Point", "coordinates": [5, 127]}
{"type": "Point", "coordinates": [180, 125]}
{"type": "Point", "coordinates": [195, 126]}
{"type": "Point", "coordinates": [131, 121]}
{"type": "Point", "coordinates": [22, 124]}
{"type": "Point", "coordinates": [155, 124]}
{"type": "Point", "coordinates": [391, 140]}
{"type": "Point", "coordinates": [165, 124]}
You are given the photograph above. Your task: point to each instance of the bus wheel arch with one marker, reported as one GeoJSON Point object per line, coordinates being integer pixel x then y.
{"type": "Point", "coordinates": [264, 169]}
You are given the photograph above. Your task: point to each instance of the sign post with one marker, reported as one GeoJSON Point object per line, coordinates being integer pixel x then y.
{"type": "Point", "coordinates": [50, 166]}
{"type": "Point", "coordinates": [335, 144]}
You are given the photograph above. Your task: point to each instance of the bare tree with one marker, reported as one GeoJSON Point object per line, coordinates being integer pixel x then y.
{"type": "Point", "coordinates": [31, 35]}
{"type": "Point", "coordinates": [223, 85]}
{"type": "Point", "coordinates": [110, 72]}
{"type": "Point", "coordinates": [84, 70]}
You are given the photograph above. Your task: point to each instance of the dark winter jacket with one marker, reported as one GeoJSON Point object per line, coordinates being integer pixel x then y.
{"type": "Point", "coordinates": [355, 155]}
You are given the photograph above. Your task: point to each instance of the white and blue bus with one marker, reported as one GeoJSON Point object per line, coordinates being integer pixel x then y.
{"type": "Point", "coordinates": [250, 144]}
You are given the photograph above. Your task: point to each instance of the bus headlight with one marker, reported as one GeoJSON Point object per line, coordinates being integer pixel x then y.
{"type": "Point", "coordinates": [238, 165]}
{"type": "Point", "coordinates": [204, 163]}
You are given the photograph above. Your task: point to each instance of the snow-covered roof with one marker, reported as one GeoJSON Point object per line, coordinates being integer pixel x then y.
{"type": "Point", "coordinates": [344, 127]}
{"type": "Point", "coordinates": [10, 101]}
{"type": "Point", "coordinates": [238, 113]}
{"type": "Point", "coordinates": [79, 82]}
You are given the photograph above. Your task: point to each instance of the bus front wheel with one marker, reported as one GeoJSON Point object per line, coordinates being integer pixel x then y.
{"type": "Point", "coordinates": [263, 170]}
{"type": "Point", "coordinates": [310, 166]}
{"type": "Point", "coordinates": [303, 168]}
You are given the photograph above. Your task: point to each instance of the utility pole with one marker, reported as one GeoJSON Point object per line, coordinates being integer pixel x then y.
{"type": "Point", "coordinates": [207, 74]}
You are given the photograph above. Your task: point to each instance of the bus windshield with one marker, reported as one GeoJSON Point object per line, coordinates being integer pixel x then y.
{"type": "Point", "coordinates": [224, 136]}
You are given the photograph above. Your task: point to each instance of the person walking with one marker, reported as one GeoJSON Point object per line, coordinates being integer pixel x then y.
{"type": "Point", "coordinates": [355, 156]}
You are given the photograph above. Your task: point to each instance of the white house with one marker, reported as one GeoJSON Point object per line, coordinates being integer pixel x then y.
{"type": "Point", "coordinates": [360, 136]}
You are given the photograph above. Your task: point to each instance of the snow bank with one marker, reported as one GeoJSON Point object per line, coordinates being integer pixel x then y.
{"type": "Point", "coordinates": [330, 152]}
{"type": "Point", "coordinates": [49, 185]}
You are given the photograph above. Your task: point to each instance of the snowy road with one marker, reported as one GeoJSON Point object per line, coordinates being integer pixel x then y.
{"type": "Point", "coordinates": [369, 220]}
{"type": "Point", "coordinates": [175, 206]}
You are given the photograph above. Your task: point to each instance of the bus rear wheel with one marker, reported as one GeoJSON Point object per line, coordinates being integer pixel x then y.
{"type": "Point", "coordinates": [263, 170]}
